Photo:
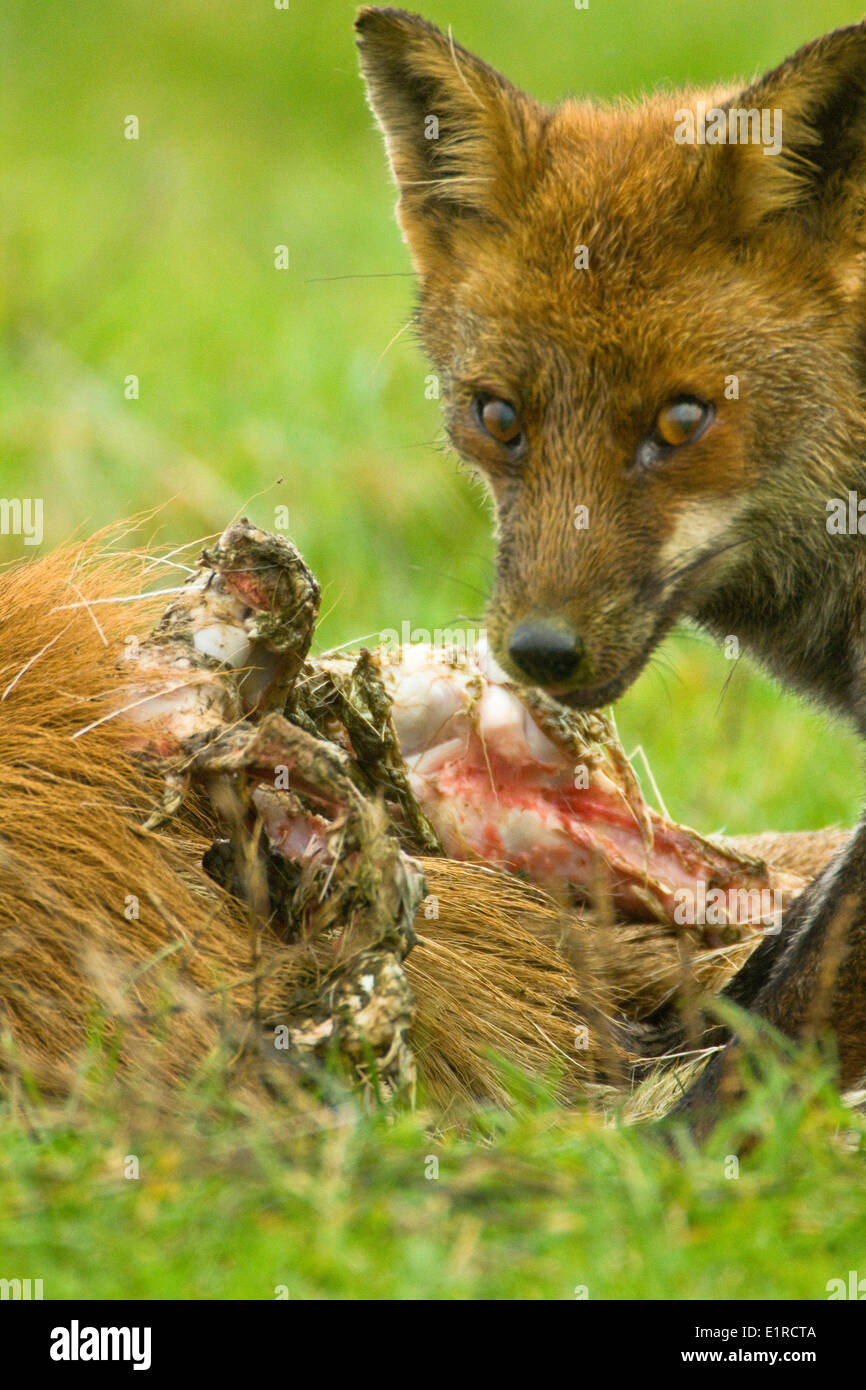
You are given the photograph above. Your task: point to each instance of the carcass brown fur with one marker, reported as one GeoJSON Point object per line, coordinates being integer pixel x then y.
{"type": "Point", "coordinates": [111, 931]}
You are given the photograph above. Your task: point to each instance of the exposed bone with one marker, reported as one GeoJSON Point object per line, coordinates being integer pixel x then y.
{"type": "Point", "coordinates": [349, 764]}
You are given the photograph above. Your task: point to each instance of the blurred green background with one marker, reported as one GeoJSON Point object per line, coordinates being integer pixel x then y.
{"type": "Point", "coordinates": [262, 387]}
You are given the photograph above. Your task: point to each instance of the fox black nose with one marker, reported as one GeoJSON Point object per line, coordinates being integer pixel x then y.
{"type": "Point", "coordinates": [548, 655]}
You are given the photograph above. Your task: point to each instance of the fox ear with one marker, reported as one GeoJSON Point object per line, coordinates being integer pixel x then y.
{"type": "Point", "coordinates": [459, 137]}
{"type": "Point", "coordinates": [817, 101]}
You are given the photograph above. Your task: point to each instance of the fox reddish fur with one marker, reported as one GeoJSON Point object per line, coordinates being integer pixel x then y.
{"type": "Point", "coordinates": [582, 267]}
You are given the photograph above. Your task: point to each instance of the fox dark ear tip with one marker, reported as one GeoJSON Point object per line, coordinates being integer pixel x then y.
{"type": "Point", "coordinates": [370, 16]}
{"type": "Point", "coordinates": [386, 20]}
{"type": "Point", "coordinates": [364, 18]}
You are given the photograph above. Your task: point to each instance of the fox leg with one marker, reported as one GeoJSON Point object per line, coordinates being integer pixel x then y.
{"type": "Point", "coordinates": [809, 979]}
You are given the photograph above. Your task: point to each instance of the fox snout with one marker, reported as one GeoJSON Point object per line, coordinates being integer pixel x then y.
{"type": "Point", "coordinates": [585, 635]}
{"type": "Point", "coordinates": [581, 671]}
{"type": "Point", "coordinates": [578, 665]}
{"type": "Point", "coordinates": [549, 654]}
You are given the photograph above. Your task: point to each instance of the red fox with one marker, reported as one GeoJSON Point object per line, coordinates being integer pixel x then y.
{"type": "Point", "coordinates": [648, 323]}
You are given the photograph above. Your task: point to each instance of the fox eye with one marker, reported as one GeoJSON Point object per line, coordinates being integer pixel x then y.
{"type": "Point", "coordinates": [681, 421]}
{"type": "Point", "coordinates": [499, 418]}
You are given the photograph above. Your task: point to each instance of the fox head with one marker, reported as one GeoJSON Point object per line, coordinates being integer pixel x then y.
{"type": "Point", "coordinates": [648, 333]}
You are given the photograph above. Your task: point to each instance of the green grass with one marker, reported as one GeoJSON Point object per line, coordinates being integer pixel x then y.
{"type": "Point", "coordinates": [261, 387]}
{"type": "Point", "coordinates": [234, 1202]}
